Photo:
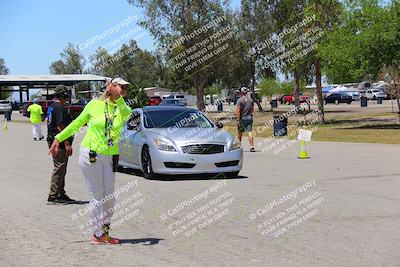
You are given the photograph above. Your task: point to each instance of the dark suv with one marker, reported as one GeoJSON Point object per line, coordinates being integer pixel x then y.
{"type": "Point", "coordinates": [338, 98]}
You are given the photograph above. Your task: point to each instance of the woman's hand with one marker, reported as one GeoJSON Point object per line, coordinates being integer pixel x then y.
{"type": "Point", "coordinates": [54, 148]}
{"type": "Point", "coordinates": [68, 149]}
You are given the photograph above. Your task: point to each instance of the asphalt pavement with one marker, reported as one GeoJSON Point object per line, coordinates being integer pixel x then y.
{"type": "Point", "coordinates": [340, 207]}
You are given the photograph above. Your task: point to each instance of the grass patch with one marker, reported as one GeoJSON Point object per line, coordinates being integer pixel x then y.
{"type": "Point", "coordinates": [338, 134]}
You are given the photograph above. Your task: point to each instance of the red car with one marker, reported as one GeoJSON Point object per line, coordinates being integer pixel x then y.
{"type": "Point", "coordinates": [289, 99]}
{"type": "Point", "coordinates": [74, 110]}
{"type": "Point", "coordinates": [153, 100]}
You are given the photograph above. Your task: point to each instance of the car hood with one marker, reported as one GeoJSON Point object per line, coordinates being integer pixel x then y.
{"type": "Point", "coordinates": [180, 136]}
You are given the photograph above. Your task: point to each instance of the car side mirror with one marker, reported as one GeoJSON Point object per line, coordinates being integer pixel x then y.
{"type": "Point", "coordinates": [133, 124]}
{"type": "Point", "coordinates": [132, 127]}
{"type": "Point", "coordinates": [219, 125]}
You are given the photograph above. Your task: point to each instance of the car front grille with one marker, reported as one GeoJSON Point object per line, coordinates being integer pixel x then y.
{"type": "Point", "coordinates": [203, 149]}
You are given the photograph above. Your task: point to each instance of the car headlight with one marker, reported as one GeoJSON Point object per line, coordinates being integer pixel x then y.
{"type": "Point", "coordinates": [235, 145]}
{"type": "Point", "coordinates": [163, 144]}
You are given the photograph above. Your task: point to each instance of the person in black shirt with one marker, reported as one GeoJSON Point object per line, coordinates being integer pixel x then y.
{"type": "Point", "coordinates": [58, 118]}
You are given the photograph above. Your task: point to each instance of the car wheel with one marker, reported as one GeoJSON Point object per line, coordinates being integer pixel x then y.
{"type": "Point", "coordinates": [337, 102]}
{"type": "Point", "coordinates": [349, 102]}
{"type": "Point", "coordinates": [231, 174]}
{"type": "Point", "coordinates": [146, 164]}
{"type": "Point", "coordinates": [374, 98]}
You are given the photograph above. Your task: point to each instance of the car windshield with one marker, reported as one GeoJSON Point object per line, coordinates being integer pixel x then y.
{"type": "Point", "coordinates": [175, 118]}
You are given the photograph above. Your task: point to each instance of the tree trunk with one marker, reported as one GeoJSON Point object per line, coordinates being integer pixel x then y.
{"type": "Point", "coordinates": [199, 82]}
{"type": "Point", "coordinates": [398, 106]}
{"type": "Point", "coordinates": [252, 89]}
{"type": "Point", "coordinates": [296, 89]}
{"type": "Point", "coordinates": [319, 90]}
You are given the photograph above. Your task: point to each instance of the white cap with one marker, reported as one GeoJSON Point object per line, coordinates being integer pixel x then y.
{"type": "Point", "coordinates": [118, 80]}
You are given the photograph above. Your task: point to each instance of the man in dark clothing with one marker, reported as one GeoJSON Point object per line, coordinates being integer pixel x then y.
{"type": "Point", "coordinates": [244, 116]}
{"type": "Point", "coordinates": [58, 118]}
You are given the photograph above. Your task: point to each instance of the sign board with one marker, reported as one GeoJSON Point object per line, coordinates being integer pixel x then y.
{"type": "Point", "coordinates": [304, 135]}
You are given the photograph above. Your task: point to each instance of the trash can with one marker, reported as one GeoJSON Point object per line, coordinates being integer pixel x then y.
{"type": "Point", "coordinates": [7, 115]}
{"type": "Point", "coordinates": [364, 102]}
{"type": "Point", "coordinates": [274, 103]}
{"type": "Point", "coordinates": [280, 126]}
{"type": "Point", "coordinates": [379, 101]}
{"type": "Point", "coordinates": [220, 106]}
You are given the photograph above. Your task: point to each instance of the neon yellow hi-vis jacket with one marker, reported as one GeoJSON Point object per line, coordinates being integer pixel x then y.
{"type": "Point", "coordinates": [94, 115]}
{"type": "Point", "coordinates": [36, 113]}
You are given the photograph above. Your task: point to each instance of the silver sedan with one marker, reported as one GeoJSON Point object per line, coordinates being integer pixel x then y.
{"type": "Point", "coordinates": [177, 140]}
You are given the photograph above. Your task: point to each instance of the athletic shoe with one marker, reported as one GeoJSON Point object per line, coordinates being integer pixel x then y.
{"type": "Point", "coordinates": [41, 138]}
{"type": "Point", "coordinates": [252, 149]}
{"type": "Point", "coordinates": [34, 139]}
{"type": "Point", "coordinates": [54, 200]}
{"type": "Point", "coordinates": [66, 198]}
{"type": "Point", "coordinates": [104, 240]}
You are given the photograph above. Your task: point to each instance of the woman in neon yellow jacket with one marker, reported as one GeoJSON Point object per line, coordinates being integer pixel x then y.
{"type": "Point", "coordinates": [99, 151]}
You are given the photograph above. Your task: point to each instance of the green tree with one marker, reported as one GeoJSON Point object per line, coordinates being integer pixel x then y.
{"type": "Point", "coordinates": [138, 66]}
{"type": "Point", "coordinates": [391, 74]}
{"type": "Point", "coordinates": [255, 23]}
{"type": "Point", "coordinates": [101, 63]}
{"type": "Point", "coordinates": [327, 14]}
{"type": "Point", "coordinates": [366, 39]}
{"type": "Point", "coordinates": [71, 62]}
{"type": "Point", "coordinates": [3, 71]}
{"type": "Point", "coordinates": [289, 13]}
{"type": "Point", "coordinates": [169, 20]}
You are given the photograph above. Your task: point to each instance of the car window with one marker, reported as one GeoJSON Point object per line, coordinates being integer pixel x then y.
{"type": "Point", "coordinates": [175, 118]}
{"type": "Point", "coordinates": [180, 96]}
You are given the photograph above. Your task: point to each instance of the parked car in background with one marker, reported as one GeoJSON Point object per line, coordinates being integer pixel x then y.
{"type": "Point", "coordinates": [5, 106]}
{"type": "Point", "coordinates": [289, 99]}
{"type": "Point", "coordinates": [153, 100]}
{"type": "Point", "coordinates": [178, 140]}
{"type": "Point", "coordinates": [338, 98]}
{"type": "Point", "coordinates": [74, 109]}
{"type": "Point", "coordinates": [354, 95]}
{"type": "Point", "coordinates": [180, 97]}
{"type": "Point", "coordinates": [172, 102]}
{"type": "Point", "coordinates": [375, 94]}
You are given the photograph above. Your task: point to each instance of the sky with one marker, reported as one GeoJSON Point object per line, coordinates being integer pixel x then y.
{"type": "Point", "coordinates": [34, 33]}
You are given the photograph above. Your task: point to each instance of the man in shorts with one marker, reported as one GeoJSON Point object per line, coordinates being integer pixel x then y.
{"type": "Point", "coordinates": [244, 116]}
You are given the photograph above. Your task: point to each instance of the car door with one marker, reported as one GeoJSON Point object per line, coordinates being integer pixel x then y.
{"type": "Point", "coordinates": [368, 94]}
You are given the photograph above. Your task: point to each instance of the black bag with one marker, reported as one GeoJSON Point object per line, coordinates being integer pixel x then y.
{"type": "Point", "coordinates": [115, 159]}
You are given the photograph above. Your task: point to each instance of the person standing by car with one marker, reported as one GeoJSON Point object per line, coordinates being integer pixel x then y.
{"type": "Point", "coordinates": [57, 119]}
{"type": "Point", "coordinates": [35, 113]}
{"type": "Point", "coordinates": [244, 116]}
{"type": "Point", "coordinates": [99, 152]}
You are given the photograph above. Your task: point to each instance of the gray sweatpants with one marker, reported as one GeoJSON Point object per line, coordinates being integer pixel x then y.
{"type": "Point", "coordinates": [100, 181]}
